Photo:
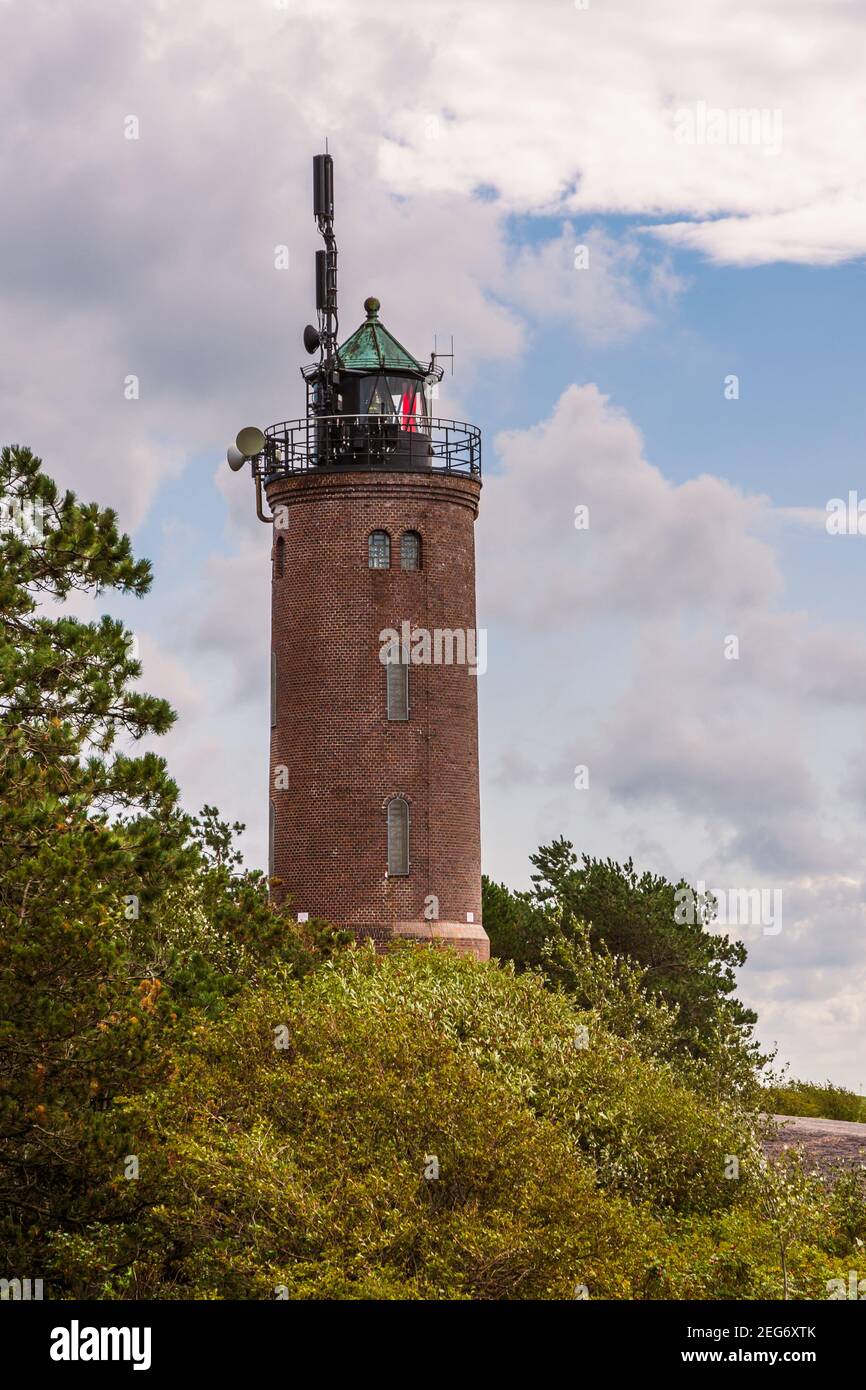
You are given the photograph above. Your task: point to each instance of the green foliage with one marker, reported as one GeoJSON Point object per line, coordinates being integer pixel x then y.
{"type": "Point", "coordinates": [217, 933]}
{"type": "Point", "coordinates": [116, 912]}
{"type": "Point", "coordinates": [85, 832]}
{"type": "Point", "coordinates": [304, 1167]}
{"type": "Point", "coordinates": [626, 917]}
{"type": "Point", "coordinates": [847, 1209]}
{"type": "Point", "coordinates": [516, 924]}
{"type": "Point", "coordinates": [303, 1170]}
{"type": "Point", "coordinates": [612, 987]}
{"type": "Point", "coordinates": [827, 1102]}
{"type": "Point", "coordinates": [285, 1097]}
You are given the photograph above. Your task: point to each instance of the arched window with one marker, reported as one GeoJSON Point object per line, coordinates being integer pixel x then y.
{"type": "Point", "coordinates": [398, 836]}
{"type": "Point", "coordinates": [397, 689]}
{"type": "Point", "coordinates": [379, 550]}
{"type": "Point", "coordinates": [410, 551]}
{"type": "Point", "coordinates": [279, 548]}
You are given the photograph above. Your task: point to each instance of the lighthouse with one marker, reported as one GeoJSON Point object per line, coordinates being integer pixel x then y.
{"type": "Point", "coordinates": [373, 795]}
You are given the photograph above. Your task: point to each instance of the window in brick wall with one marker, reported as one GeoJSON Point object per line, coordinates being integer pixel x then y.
{"type": "Point", "coordinates": [379, 550]}
{"type": "Point", "coordinates": [397, 689]}
{"type": "Point", "coordinates": [410, 550]}
{"type": "Point", "coordinates": [398, 836]}
{"type": "Point", "coordinates": [279, 550]}
{"type": "Point", "coordinates": [273, 690]}
{"type": "Point", "coordinates": [272, 836]}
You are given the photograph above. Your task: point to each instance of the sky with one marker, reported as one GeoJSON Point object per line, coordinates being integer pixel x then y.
{"type": "Point", "coordinates": [645, 227]}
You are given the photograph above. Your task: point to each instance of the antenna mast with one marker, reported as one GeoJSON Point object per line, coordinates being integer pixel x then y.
{"type": "Point", "coordinates": [326, 276]}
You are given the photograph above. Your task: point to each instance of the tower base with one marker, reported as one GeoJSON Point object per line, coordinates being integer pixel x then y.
{"type": "Point", "coordinates": [466, 938]}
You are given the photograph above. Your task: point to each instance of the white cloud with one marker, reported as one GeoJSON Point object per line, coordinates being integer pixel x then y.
{"type": "Point", "coordinates": [649, 547]}
{"type": "Point", "coordinates": [614, 637]}
{"type": "Point", "coordinates": [154, 256]}
{"type": "Point", "coordinates": [579, 109]}
{"type": "Point", "coordinates": [590, 280]}
{"type": "Point", "coordinates": [824, 232]}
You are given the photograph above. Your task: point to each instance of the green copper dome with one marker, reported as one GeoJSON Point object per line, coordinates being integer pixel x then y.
{"type": "Point", "coordinates": [371, 347]}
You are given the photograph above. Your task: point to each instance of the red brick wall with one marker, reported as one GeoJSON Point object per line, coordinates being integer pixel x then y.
{"type": "Point", "coordinates": [344, 758]}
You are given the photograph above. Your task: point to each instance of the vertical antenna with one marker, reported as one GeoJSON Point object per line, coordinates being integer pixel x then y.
{"type": "Point", "coordinates": [436, 354]}
{"type": "Point", "coordinates": [326, 272]}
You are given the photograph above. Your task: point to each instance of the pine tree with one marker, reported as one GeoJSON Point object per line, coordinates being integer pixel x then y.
{"type": "Point", "coordinates": [90, 837]}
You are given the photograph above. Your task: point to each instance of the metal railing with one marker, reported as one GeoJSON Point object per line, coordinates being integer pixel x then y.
{"type": "Point", "coordinates": [337, 443]}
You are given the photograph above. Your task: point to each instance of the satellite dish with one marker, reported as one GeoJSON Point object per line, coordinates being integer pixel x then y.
{"type": "Point", "coordinates": [235, 458]}
{"type": "Point", "coordinates": [311, 339]}
{"type": "Point", "coordinates": [250, 441]}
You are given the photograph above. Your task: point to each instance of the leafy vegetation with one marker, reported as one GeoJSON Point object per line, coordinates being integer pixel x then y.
{"type": "Point", "coordinates": [827, 1102]}
{"type": "Point", "coordinates": [427, 1127]}
{"type": "Point", "coordinates": [201, 1099]}
{"type": "Point", "coordinates": [580, 911]}
{"type": "Point", "coordinates": [118, 914]}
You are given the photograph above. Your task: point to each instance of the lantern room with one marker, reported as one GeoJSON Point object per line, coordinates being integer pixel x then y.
{"type": "Point", "coordinates": [375, 375]}
{"type": "Point", "coordinates": [372, 394]}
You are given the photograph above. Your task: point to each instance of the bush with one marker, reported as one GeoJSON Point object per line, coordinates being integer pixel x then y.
{"type": "Point", "coordinates": [656, 939]}
{"type": "Point", "coordinates": [303, 1168]}
{"type": "Point", "coordinates": [826, 1102]}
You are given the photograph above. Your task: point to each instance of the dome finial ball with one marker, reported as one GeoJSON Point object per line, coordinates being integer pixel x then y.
{"type": "Point", "coordinates": [372, 306]}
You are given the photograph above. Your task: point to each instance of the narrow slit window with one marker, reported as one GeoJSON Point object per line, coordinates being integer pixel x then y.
{"type": "Point", "coordinates": [410, 551]}
{"type": "Point", "coordinates": [398, 836]}
{"type": "Point", "coordinates": [279, 548]}
{"type": "Point", "coordinates": [272, 837]}
{"type": "Point", "coordinates": [397, 687]}
{"type": "Point", "coordinates": [273, 690]}
{"type": "Point", "coordinates": [379, 550]}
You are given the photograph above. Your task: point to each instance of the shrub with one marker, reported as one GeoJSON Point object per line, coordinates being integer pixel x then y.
{"type": "Point", "coordinates": [827, 1102]}
{"type": "Point", "coordinates": [303, 1168]}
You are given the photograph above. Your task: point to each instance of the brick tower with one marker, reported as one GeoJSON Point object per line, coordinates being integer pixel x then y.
{"type": "Point", "coordinates": [374, 801]}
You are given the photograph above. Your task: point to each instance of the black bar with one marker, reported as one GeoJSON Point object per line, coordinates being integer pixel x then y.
{"type": "Point", "coordinates": [243, 1338]}
{"type": "Point", "coordinates": [323, 186]}
{"type": "Point", "coordinates": [321, 280]}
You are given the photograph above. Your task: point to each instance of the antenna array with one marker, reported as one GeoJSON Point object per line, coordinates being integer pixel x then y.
{"type": "Point", "coordinates": [326, 273]}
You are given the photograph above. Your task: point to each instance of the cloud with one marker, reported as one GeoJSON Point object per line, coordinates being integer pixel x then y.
{"type": "Point", "coordinates": [616, 637]}
{"type": "Point", "coordinates": [230, 620]}
{"type": "Point", "coordinates": [820, 233]}
{"type": "Point", "coordinates": [606, 288]}
{"type": "Point", "coordinates": [600, 116]}
{"type": "Point", "coordinates": [649, 546]}
{"type": "Point", "coordinates": [155, 256]}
